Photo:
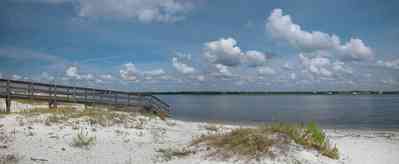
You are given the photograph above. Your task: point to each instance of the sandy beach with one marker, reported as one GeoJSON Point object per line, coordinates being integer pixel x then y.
{"type": "Point", "coordinates": [139, 139]}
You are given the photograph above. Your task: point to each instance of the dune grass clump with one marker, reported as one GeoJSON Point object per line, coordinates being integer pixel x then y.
{"type": "Point", "coordinates": [249, 142]}
{"type": "Point", "coordinates": [254, 142]}
{"type": "Point", "coordinates": [102, 117]}
{"type": "Point", "coordinates": [170, 153]}
{"type": "Point", "coordinates": [211, 127]}
{"type": "Point", "coordinates": [83, 140]}
{"type": "Point", "coordinates": [9, 159]}
{"type": "Point", "coordinates": [40, 110]}
{"type": "Point", "coordinates": [310, 136]}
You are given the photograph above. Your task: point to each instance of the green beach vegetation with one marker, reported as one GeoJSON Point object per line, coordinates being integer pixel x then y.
{"type": "Point", "coordinates": [258, 141]}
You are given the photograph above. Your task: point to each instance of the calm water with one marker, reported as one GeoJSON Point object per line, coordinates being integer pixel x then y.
{"type": "Point", "coordinates": [335, 111]}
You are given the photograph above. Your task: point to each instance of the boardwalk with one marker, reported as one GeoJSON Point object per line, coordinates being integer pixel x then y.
{"type": "Point", "coordinates": [13, 89]}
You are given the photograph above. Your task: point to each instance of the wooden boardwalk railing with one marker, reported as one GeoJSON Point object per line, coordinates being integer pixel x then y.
{"type": "Point", "coordinates": [13, 89]}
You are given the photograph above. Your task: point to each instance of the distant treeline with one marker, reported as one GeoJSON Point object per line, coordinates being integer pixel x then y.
{"type": "Point", "coordinates": [275, 93]}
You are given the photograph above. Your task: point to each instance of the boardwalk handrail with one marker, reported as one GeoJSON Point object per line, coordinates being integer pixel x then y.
{"type": "Point", "coordinates": [61, 93]}
{"type": "Point", "coordinates": [157, 103]}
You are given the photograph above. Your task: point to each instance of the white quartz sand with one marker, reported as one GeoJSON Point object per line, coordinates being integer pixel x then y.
{"type": "Point", "coordinates": [138, 141]}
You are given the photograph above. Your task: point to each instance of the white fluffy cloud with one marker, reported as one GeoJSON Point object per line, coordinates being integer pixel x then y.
{"type": "Point", "coordinates": [394, 64]}
{"type": "Point", "coordinates": [223, 51]}
{"type": "Point", "coordinates": [223, 70]}
{"type": "Point", "coordinates": [255, 58]}
{"type": "Point", "coordinates": [356, 49]}
{"type": "Point", "coordinates": [155, 72]}
{"type": "Point", "coordinates": [322, 66]}
{"type": "Point", "coordinates": [88, 76]}
{"type": "Point", "coordinates": [146, 11]}
{"type": "Point", "coordinates": [129, 72]}
{"type": "Point", "coordinates": [106, 77]}
{"type": "Point", "coordinates": [200, 78]}
{"type": "Point", "coordinates": [73, 72]}
{"type": "Point", "coordinates": [293, 76]}
{"type": "Point", "coordinates": [266, 71]}
{"type": "Point", "coordinates": [316, 65]}
{"type": "Point", "coordinates": [182, 67]}
{"type": "Point", "coordinates": [282, 27]}
{"type": "Point", "coordinates": [46, 77]}
{"type": "Point", "coordinates": [226, 52]}
{"type": "Point", "coordinates": [16, 77]}
{"type": "Point", "coordinates": [141, 10]}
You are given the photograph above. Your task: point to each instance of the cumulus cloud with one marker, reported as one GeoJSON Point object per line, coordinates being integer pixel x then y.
{"type": "Point", "coordinates": [226, 52]}
{"type": "Point", "coordinates": [129, 72]}
{"type": "Point", "coordinates": [266, 71]}
{"type": "Point", "coordinates": [181, 66]}
{"type": "Point", "coordinates": [293, 76]}
{"type": "Point", "coordinates": [165, 11]}
{"type": "Point", "coordinates": [316, 65]}
{"type": "Point", "coordinates": [322, 66]}
{"type": "Point", "coordinates": [356, 49]}
{"type": "Point", "coordinates": [45, 76]}
{"type": "Point", "coordinates": [287, 66]}
{"type": "Point", "coordinates": [16, 77]}
{"type": "Point", "coordinates": [393, 64]}
{"type": "Point", "coordinates": [73, 72]}
{"type": "Point", "coordinates": [200, 78]}
{"type": "Point", "coordinates": [87, 76]}
{"type": "Point", "coordinates": [106, 76]}
{"type": "Point", "coordinates": [142, 10]}
{"type": "Point", "coordinates": [223, 70]}
{"type": "Point", "coordinates": [223, 51]}
{"type": "Point", "coordinates": [282, 27]}
{"type": "Point", "coordinates": [255, 58]}
{"type": "Point", "coordinates": [155, 72]}
{"type": "Point", "coordinates": [339, 66]}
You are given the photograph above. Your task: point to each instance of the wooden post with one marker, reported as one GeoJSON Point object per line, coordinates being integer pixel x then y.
{"type": "Point", "coordinates": [116, 98]}
{"type": "Point", "coordinates": [128, 99]}
{"type": "Point", "coordinates": [101, 96]}
{"type": "Point", "coordinates": [31, 91]}
{"type": "Point", "coordinates": [8, 105]}
{"type": "Point", "coordinates": [55, 96]}
{"type": "Point", "coordinates": [8, 98]}
{"type": "Point", "coordinates": [68, 94]}
{"type": "Point", "coordinates": [94, 95]}
{"type": "Point", "coordinates": [50, 103]}
{"type": "Point", "coordinates": [85, 95]}
{"type": "Point", "coordinates": [74, 94]}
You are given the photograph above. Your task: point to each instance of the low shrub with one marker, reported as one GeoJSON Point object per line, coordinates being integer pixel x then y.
{"type": "Point", "coordinates": [211, 127]}
{"type": "Point", "coordinates": [83, 140]}
{"type": "Point", "coordinates": [170, 153]}
{"type": "Point", "coordinates": [9, 159]}
{"type": "Point", "coordinates": [254, 142]}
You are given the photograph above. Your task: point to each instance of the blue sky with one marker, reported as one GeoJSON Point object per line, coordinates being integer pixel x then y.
{"type": "Point", "coordinates": [169, 45]}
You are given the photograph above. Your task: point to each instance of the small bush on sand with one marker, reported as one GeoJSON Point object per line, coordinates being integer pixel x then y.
{"type": "Point", "coordinates": [38, 111]}
{"type": "Point", "coordinates": [55, 118]}
{"type": "Point", "coordinates": [211, 127]}
{"type": "Point", "coordinates": [170, 153]}
{"type": "Point", "coordinates": [255, 142]}
{"type": "Point", "coordinates": [310, 136]}
{"type": "Point", "coordinates": [9, 159]}
{"type": "Point", "coordinates": [83, 140]}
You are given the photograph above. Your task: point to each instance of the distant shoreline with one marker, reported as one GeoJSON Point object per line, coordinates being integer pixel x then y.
{"type": "Point", "coordinates": [277, 93]}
